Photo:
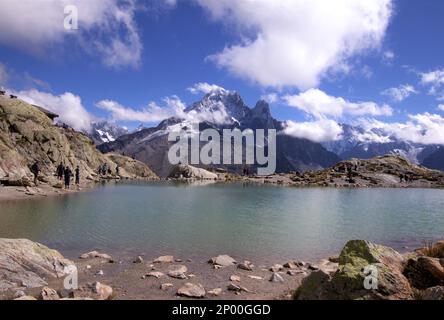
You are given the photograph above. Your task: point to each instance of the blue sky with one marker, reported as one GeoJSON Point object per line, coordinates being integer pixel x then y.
{"type": "Point", "coordinates": [166, 46]}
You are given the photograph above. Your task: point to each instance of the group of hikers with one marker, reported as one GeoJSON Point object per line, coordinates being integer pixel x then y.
{"type": "Point", "coordinates": [63, 174]}
{"type": "Point", "coordinates": [104, 170]}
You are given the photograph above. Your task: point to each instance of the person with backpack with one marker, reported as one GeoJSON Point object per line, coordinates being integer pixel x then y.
{"type": "Point", "coordinates": [78, 175]}
{"type": "Point", "coordinates": [67, 175]}
{"type": "Point", "coordinates": [60, 171]}
{"type": "Point", "coordinates": [35, 169]}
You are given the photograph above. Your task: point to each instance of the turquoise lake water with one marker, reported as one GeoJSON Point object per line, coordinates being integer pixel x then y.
{"type": "Point", "coordinates": [261, 223]}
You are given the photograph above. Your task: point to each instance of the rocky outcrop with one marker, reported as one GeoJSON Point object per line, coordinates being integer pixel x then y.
{"type": "Point", "coordinates": [28, 135]}
{"type": "Point", "coordinates": [386, 171]}
{"type": "Point", "coordinates": [26, 264]}
{"type": "Point", "coordinates": [366, 271]}
{"type": "Point", "coordinates": [190, 172]}
{"type": "Point", "coordinates": [130, 168]}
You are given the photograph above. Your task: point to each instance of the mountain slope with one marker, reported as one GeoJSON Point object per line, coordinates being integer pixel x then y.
{"type": "Point", "coordinates": [220, 110]}
{"type": "Point", "coordinates": [28, 135]}
{"type": "Point", "coordinates": [435, 160]}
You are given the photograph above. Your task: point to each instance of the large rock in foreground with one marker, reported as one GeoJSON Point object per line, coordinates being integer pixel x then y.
{"type": "Point", "coordinates": [26, 264]}
{"type": "Point", "coordinates": [366, 271]}
{"type": "Point", "coordinates": [190, 172]}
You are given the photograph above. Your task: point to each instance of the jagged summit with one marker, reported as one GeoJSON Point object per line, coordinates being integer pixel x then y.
{"type": "Point", "coordinates": [260, 117]}
{"type": "Point", "coordinates": [220, 106]}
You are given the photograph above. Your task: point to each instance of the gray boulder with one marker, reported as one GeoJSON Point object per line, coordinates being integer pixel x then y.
{"type": "Point", "coordinates": [27, 264]}
{"type": "Point", "coordinates": [222, 261]}
{"type": "Point", "coordinates": [191, 290]}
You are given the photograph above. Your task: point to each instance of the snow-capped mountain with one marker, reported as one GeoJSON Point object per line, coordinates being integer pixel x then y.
{"type": "Point", "coordinates": [357, 142]}
{"type": "Point", "coordinates": [222, 109]}
{"type": "Point", "coordinates": [104, 131]}
{"type": "Point", "coordinates": [139, 128]}
{"type": "Point", "coordinates": [219, 107]}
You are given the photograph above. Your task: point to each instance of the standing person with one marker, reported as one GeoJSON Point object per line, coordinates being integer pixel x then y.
{"type": "Point", "coordinates": [60, 170]}
{"type": "Point", "coordinates": [117, 170]}
{"type": "Point", "coordinates": [67, 173]}
{"type": "Point", "coordinates": [35, 169]}
{"type": "Point", "coordinates": [78, 175]}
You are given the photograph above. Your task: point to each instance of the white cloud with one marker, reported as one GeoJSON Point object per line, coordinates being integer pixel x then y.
{"type": "Point", "coordinates": [172, 107]}
{"type": "Point", "coordinates": [270, 97]}
{"type": "Point", "coordinates": [152, 113]}
{"type": "Point", "coordinates": [297, 42]}
{"type": "Point", "coordinates": [434, 79]}
{"type": "Point", "coordinates": [204, 87]}
{"type": "Point", "coordinates": [171, 3]}
{"type": "Point", "coordinates": [400, 93]}
{"type": "Point", "coordinates": [4, 76]}
{"type": "Point", "coordinates": [322, 130]}
{"type": "Point", "coordinates": [422, 128]}
{"type": "Point", "coordinates": [389, 55]}
{"type": "Point", "coordinates": [441, 107]}
{"type": "Point", "coordinates": [106, 28]}
{"type": "Point", "coordinates": [67, 105]}
{"type": "Point", "coordinates": [319, 104]}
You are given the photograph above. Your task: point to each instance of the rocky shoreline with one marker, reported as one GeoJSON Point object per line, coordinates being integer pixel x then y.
{"type": "Point", "coordinates": [381, 172]}
{"type": "Point", "coordinates": [30, 271]}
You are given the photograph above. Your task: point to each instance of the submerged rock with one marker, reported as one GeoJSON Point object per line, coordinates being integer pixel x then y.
{"type": "Point", "coordinates": [366, 271]}
{"type": "Point", "coordinates": [95, 254]}
{"type": "Point", "coordinates": [28, 264]}
{"type": "Point", "coordinates": [191, 290]}
{"type": "Point", "coordinates": [164, 259]}
{"type": "Point", "coordinates": [178, 272]}
{"type": "Point", "coordinates": [223, 261]}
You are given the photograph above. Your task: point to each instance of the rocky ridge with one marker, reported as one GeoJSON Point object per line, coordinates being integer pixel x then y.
{"type": "Point", "coordinates": [27, 135]}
